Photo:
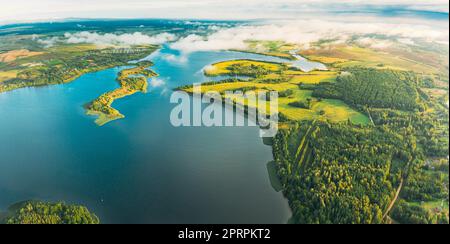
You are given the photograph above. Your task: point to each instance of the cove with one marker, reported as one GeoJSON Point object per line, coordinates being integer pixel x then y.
{"type": "Point", "coordinates": [140, 169]}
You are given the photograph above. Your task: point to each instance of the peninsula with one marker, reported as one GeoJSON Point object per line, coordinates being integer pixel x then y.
{"type": "Point", "coordinates": [131, 81]}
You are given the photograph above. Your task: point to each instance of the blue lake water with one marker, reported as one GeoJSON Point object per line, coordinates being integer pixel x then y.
{"type": "Point", "coordinates": [140, 169]}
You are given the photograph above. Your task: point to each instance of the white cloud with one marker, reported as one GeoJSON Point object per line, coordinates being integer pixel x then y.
{"type": "Point", "coordinates": [136, 38]}
{"type": "Point", "coordinates": [374, 43]}
{"type": "Point", "coordinates": [406, 41]}
{"type": "Point", "coordinates": [49, 42]}
{"type": "Point", "coordinates": [156, 82]}
{"type": "Point", "coordinates": [308, 31]}
{"type": "Point", "coordinates": [181, 59]}
{"type": "Point", "coordinates": [198, 9]}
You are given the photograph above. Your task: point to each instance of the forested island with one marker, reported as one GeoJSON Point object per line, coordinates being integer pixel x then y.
{"type": "Point", "coordinates": [37, 212]}
{"type": "Point", "coordinates": [131, 80]}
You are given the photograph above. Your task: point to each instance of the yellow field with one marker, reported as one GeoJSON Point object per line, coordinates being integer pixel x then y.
{"type": "Point", "coordinates": [327, 60]}
{"type": "Point", "coordinates": [222, 67]}
{"type": "Point", "coordinates": [16, 54]}
{"type": "Point", "coordinates": [326, 109]}
{"type": "Point", "coordinates": [314, 78]}
{"type": "Point", "coordinates": [6, 75]}
{"type": "Point", "coordinates": [75, 48]}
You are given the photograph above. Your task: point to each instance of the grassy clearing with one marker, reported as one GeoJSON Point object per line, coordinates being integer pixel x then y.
{"type": "Point", "coordinates": [326, 109]}
{"type": "Point", "coordinates": [434, 207]}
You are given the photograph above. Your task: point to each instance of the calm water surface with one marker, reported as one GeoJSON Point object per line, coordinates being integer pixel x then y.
{"type": "Point", "coordinates": [140, 169]}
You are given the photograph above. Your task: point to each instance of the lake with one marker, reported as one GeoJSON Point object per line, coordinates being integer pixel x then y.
{"type": "Point", "coordinates": [139, 169]}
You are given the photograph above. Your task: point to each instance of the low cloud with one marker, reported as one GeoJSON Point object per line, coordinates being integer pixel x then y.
{"type": "Point", "coordinates": [108, 39]}
{"type": "Point", "coordinates": [406, 41]}
{"type": "Point", "coordinates": [180, 59]}
{"type": "Point", "coordinates": [49, 42]}
{"type": "Point", "coordinates": [136, 38]}
{"type": "Point", "coordinates": [374, 43]}
{"type": "Point", "coordinates": [156, 82]}
{"type": "Point", "coordinates": [305, 32]}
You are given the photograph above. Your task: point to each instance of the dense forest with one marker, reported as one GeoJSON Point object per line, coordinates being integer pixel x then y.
{"type": "Point", "coordinates": [393, 171]}
{"type": "Point", "coordinates": [35, 212]}
{"type": "Point", "coordinates": [340, 174]}
{"type": "Point", "coordinates": [374, 88]}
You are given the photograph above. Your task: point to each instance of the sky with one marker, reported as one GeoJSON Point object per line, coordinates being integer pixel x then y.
{"type": "Point", "coordinates": [28, 10]}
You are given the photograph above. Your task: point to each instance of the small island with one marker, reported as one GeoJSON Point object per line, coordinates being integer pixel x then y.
{"type": "Point", "coordinates": [131, 81]}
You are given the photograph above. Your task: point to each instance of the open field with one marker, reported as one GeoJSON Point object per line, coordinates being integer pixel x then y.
{"type": "Point", "coordinates": [17, 54]}
{"type": "Point", "coordinates": [314, 77]}
{"type": "Point", "coordinates": [342, 56]}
